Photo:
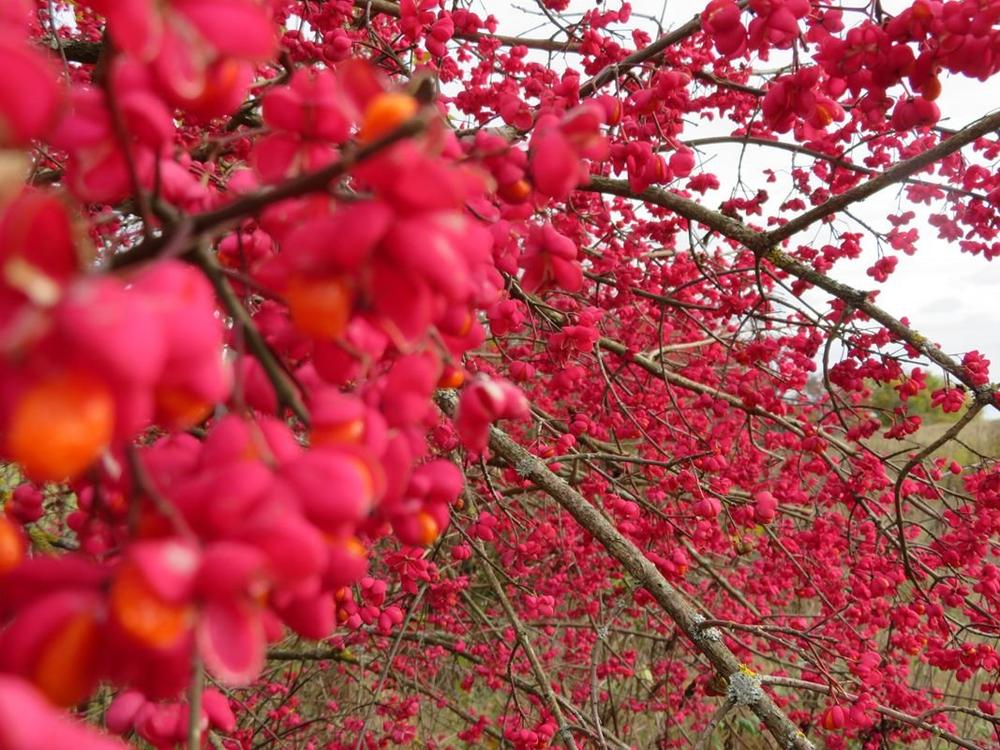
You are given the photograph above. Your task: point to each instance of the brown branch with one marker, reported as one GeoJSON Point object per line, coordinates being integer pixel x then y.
{"type": "Point", "coordinates": [387, 8]}
{"type": "Point", "coordinates": [251, 205]}
{"type": "Point", "coordinates": [344, 657]}
{"type": "Point", "coordinates": [724, 83]}
{"type": "Point", "coordinates": [708, 642]}
{"type": "Point", "coordinates": [87, 52]}
{"type": "Point", "coordinates": [764, 243]}
{"type": "Point", "coordinates": [720, 713]}
{"type": "Point", "coordinates": [612, 71]}
{"type": "Point", "coordinates": [685, 207]}
{"type": "Point", "coordinates": [77, 50]}
{"type": "Point", "coordinates": [284, 387]}
{"type": "Point", "coordinates": [837, 161]}
{"type": "Point", "coordinates": [891, 176]}
{"type": "Point", "coordinates": [897, 490]}
{"type": "Point", "coordinates": [673, 378]}
{"type": "Point", "coordinates": [707, 566]}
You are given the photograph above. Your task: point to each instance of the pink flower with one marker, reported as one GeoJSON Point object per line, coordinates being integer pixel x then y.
{"type": "Point", "coordinates": [550, 260]}
{"type": "Point", "coordinates": [721, 21]}
{"type": "Point", "coordinates": [834, 718]}
{"type": "Point", "coordinates": [799, 96]}
{"type": "Point", "coordinates": [307, 116]}
{"type": "Point", "coordinates": [422, 514]}
{"type": "Point", "coordinates": [765, 507]}
{"type": "Point", "coordinates": [483, 402]}
{"type": "Point", "coordinates": [515, 112]}
{"type": "Point", "coordinates": [558, 147]}
{"type": "Point", "coordinates": [915, 112]}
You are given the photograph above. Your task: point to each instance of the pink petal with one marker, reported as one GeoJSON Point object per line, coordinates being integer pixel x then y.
{"type": "Point", "coordinates": [409, 386]}
{"type": "Point", "coordinates": [311, 617]}
{"type": "Point", "coordinates": [443, 480]}
{"type": "Point", "coordinates": [231, 641]}
{"type": "Point", "coordinates": [136, 25]}
{"type": "Point", "coordinates": [38, 577]}
{"type": "Point", "coordinates": [294, 549]}
{"type": "Point", "coordinates": [348, 563]}
{"type": "Point", "coordinates": [23, 641]}
{"type": "Point", "coordinates": [121, 714]}
{"type": "Point", "coordinates": [229, 570]}
{"type": "Point", "coordinates": [233, 27]}
{"type": "Point", "coordinates": [29, 93]}
{"type": "Point", "coordinates": [282, 109]}
{"type": "Point", "coordinates": [216, 707]}
{"type": "Point", "coordinates": [339, 242]}
{"type": "Point", "coordinates": [555, 167]}
{"type": "Point", "coordinates": [181, 67]}
{"type": "Point", "coordinates": [28, 722]}
{"type": "Point", "coordinates": [122, 340]}
{"type": "Point", "coordinates": [276, 156]}
{"type": "Point", "coordinates": [403, 302]}
{"type": "Point", "coordinates": [168, 567]}
{"type": "Point", "coordinates": [333, 486]}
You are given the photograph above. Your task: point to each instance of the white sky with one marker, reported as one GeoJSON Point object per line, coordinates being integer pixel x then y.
{"type": "Point", "coordinates": [949, 296]}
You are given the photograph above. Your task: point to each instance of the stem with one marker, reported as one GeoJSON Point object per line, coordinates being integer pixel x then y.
{"type": "Point", "coordinates": [285, 389]}
{"type": "Point", "coordinates": [713, 723]}
{"type": "Point", "coordinates": [194, 703]}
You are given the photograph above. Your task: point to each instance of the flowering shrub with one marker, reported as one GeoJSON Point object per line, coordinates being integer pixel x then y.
{"type": "Point", "coordinates": [365, 381]}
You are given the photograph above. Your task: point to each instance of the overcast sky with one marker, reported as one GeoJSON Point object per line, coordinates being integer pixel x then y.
{"type": "Point", "coordinates": [948, 296]}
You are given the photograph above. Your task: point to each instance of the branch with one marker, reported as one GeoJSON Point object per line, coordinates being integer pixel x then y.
{"type": "Point", "coordinates": [897, 490]}
{"type": "Point", "coordinates": [709, 643]}
{"type": "Point", "coordinates": [285, 389]}
{"type": "Point", "coordinates": [544, 684]}
{"type": "Point", "coordinates": [891, 176]}
{"type": "Point", "coordinates": [713, 723]}
{"type": "Point", "coordinates": [612, 71]}
{"type": "Point", "coordinates": [77, 50]}
{"type": "Point", "coordinates": [387, 8]}
{"type": "Point", "coordinates": [342, 656]}
{"type": "Point", "coordinates": [884, 710]}
{"type": "Point", "coordinates": [194, 703]}
{"type": "Point", "coordinates": [764, 245]}
{"type": "Point", "coordinates": [252, 204]}
{"type": "Point", "coordinates": [838, 161]}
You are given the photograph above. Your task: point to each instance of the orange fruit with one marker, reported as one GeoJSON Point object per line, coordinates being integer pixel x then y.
{"type": "Point", "coordinates": [60, 426]}
{"type": "Point", "coordinates": [369, 482]}
{"type": "Point", "coordinates": [350, 431]}
{"type": "Point", "coordinates": [66, 671]}
{"type": "Point", "coordinates": [12, 545]}
{"type": "Point", "coordinates": [385, 113]}
{"type": "Point", "coordinates": [144, 615]}
{"type": "Point", "coordinates": [429, 529]}
{"type": "Point", "coordinates": [180, 408]}
{"type": "Point", "coordinates": [453, 377]}
{"type": "Point", "coordinates": [355, 547]}
{"type": "Point", "coordinates": [320, 307]}
{"type": "Point", "coordinates": [823, 115]}
{"type": "Point", "coordinates": [515, 192]}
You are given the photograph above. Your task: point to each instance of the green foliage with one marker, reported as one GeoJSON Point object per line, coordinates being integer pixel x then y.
{"type": "Point", "coordinates": [886, 399]}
